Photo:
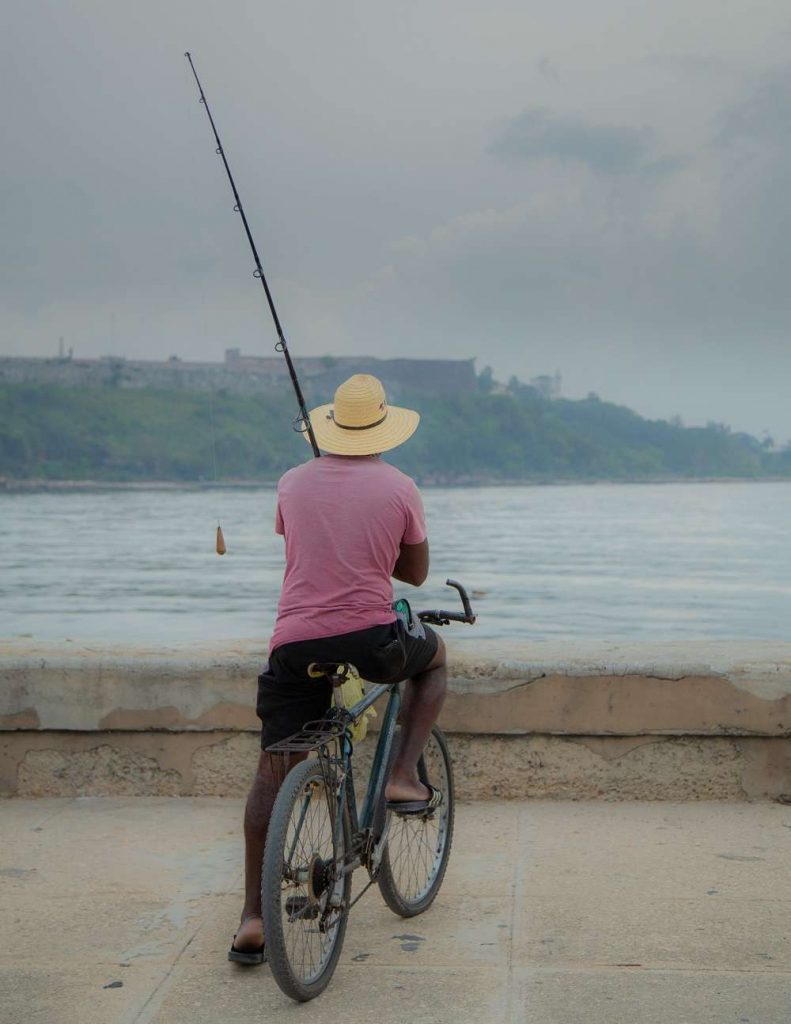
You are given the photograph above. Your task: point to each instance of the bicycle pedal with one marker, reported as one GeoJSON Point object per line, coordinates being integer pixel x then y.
{"type": "Point", "coordinates": [299, 908]}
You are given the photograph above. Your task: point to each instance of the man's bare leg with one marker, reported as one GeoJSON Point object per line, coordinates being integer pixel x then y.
{"type": "Point", "coordinates": [258, 810]}
{"type": "Point", "coordinates": [423, 699]}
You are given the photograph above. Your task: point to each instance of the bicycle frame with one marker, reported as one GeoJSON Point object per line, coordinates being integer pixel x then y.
{"type": "Point", "coordinates": [362, 824]}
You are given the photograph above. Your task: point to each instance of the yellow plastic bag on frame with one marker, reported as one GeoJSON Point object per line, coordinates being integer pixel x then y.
{"type": "Point", "coordinates": [346, 696]}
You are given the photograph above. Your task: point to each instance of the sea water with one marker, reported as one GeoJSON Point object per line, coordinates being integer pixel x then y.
{"type": "Point", "coordinates": [611, 561]}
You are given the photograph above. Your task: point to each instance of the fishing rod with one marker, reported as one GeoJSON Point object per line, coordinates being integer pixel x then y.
{"type": "Point", "coordinates": [302, 422]}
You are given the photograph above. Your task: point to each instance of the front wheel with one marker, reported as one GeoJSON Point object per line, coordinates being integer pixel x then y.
{"type": "Point", "coordinates": [304, 895]}
{"type": "Point", "coordinates": [418, 846]}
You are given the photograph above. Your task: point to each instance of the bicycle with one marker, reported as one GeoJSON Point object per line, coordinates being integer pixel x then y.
{"type": "Point", "coordinates": [317, 838]}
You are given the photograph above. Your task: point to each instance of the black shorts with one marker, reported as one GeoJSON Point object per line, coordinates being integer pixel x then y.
{"type": "Point", "coordinates": [288, 697]}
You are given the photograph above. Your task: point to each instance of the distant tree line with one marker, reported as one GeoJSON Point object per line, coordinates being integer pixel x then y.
{"type": "Point", "coordinates": [500, 434]}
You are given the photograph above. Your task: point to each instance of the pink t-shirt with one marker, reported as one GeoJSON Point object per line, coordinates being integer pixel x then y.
{"type": "Point", "coordinates": [344, 518]}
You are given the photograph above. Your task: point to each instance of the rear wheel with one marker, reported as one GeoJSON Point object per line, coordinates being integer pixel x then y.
{"type": "Point", "coordinates": [418, 846]}
{"type": "Point", "coordinates": [305, 900]}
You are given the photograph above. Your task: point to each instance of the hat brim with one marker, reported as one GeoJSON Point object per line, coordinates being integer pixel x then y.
{"type": "Point", "coordinates": [398, 427]}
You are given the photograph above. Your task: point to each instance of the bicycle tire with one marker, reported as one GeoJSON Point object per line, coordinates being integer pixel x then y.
{"type": "Point", "coordinates": [420, 843]}
{"type": "Point", "coordinates": [299, 851]}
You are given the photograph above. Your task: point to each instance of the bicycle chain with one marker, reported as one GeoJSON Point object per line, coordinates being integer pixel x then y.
{"type": "Point", "coordinates": [358, 898]}
{"type": "Point", "coordinates": [354, 902]}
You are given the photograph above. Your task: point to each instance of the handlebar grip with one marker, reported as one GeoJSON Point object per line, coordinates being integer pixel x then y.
{"type": "Point", "coordinates": [465, 600]}
{"type": "Point", "coordinates": [440, 617]}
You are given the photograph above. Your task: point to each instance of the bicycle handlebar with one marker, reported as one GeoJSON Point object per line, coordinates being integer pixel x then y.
{"type": "Point", "coordinates": [438, 617]}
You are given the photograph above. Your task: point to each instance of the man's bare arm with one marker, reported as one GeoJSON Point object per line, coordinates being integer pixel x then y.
{"type": "Point", "coordinates": [412, 563]}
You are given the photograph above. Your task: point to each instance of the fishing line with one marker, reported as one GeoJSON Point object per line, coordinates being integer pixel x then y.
{"type": "Point", "coordinates": [302, 422]}
{"type": "Point", "coordinates": [219, 544]}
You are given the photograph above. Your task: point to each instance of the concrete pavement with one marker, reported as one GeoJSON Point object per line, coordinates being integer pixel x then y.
{"type": "Point", "coordinates": [120, 910]}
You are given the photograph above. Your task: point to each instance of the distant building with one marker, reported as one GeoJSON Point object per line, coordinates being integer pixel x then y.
{"type": "Point", "coordinates": [243, 374]}
{"type": "Point", "coordinates": [547, 385]}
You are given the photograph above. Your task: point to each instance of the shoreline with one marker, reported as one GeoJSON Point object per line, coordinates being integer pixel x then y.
{"type": "Point", "coordinates": [37, 486]}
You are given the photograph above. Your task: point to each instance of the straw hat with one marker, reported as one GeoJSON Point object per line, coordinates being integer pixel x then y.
{"type": "Point", "coordinates": [360, 422]}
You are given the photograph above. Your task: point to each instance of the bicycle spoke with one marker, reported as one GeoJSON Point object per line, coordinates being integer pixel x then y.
{"type": "Point", "coordinates": [417, 844]}
{"type": "Point", "coordinates": [309, 931]}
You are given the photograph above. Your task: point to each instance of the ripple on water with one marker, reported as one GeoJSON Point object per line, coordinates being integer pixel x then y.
{"type": "Point", "coordinates": [616, 561]}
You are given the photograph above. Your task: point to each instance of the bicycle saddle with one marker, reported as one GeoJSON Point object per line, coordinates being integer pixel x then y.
{"type": "Point", "coordinates": [335, 671]}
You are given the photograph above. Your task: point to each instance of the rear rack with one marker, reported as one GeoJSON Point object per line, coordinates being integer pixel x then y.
{"type": "Point", "coordinates": [312, 736]}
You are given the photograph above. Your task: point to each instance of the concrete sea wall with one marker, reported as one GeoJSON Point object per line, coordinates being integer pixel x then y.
{"type": "Point", "coordinates": [674, 721]}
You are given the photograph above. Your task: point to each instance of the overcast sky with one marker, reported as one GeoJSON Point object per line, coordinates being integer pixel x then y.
{"type": "Point", "coordinates": [598, 188]}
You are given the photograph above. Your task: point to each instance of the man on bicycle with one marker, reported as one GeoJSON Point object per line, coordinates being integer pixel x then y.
{"type": "Point", "coordinates": [351, 522]}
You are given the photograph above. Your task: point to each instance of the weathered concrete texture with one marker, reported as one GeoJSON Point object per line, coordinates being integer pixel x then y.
{"type": "Point", "coordinates": [90, 688]}
{"type": "Point", "coordinates": [646, 769]}
{"type": "Point", "coordinates": [98, 771]}
{"type": "Point", "coordinates": [591, 689]}
{"type": "Point", "coordinates": [680, 721]}
{"type": "Point", "coordinates": [614, 705]}
{"type": "Point", "coordinates": [225, 768]}
{"type": "Point", "coordinates": [551, 913]}
{"type": "Point", "coordinates": [127, 764]}
{"type": "Point", "coordinates": [513, 767]}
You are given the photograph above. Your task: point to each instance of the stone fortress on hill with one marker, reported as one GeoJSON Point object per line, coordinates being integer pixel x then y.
{"type": "Point", "coordinates": [319, 376]}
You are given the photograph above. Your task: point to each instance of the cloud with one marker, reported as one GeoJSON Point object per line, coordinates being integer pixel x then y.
{"type": "Point", "coordinates": [649, 245]}
{"type": "Point", "coordinates": [763, 115]}
{"type": "Point", "coordinates": [547, 69]}
{"type": "Point", "coordinates": [538, 134]}
{"type": "Point", "coordinates": [634, 272]}
{"type": "Point", "coordinates": [708, 65]}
